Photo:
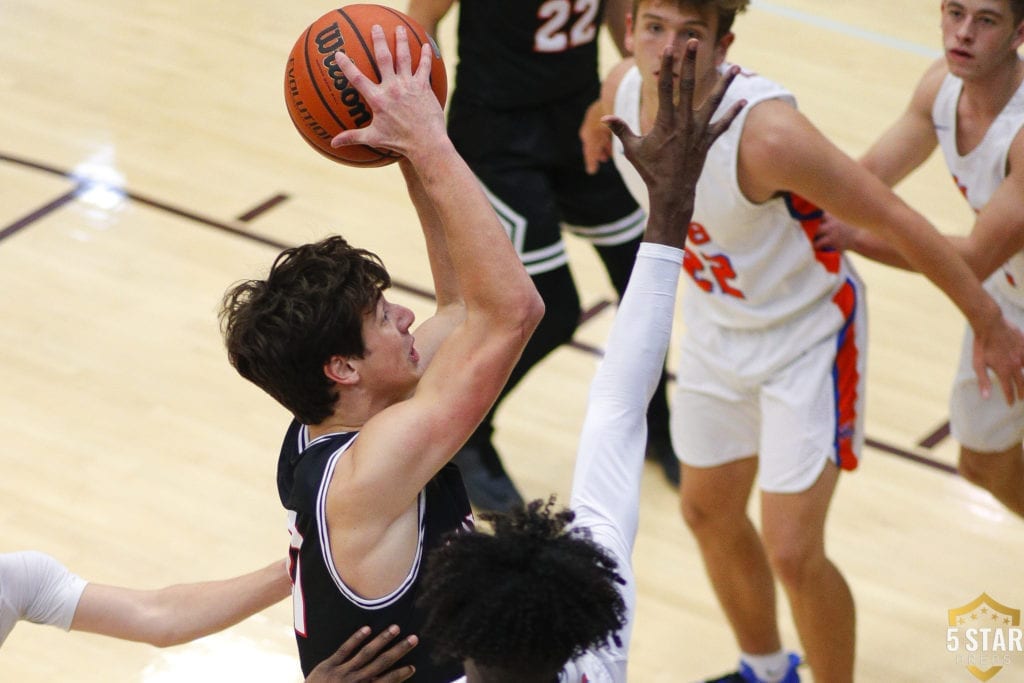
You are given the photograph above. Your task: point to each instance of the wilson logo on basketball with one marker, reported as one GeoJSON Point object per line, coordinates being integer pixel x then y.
{"type": "Point", "coordinates": [329, 41]}
{"type": "Point", "coordinates": [322, 102]}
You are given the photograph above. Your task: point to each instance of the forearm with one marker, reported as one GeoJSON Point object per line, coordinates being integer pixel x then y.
{"type": "Point", "coordinates": [669, 219]}
{"type": "Point", "coordinates": [446, 288]}
{"type": "Point", "coordinates": [609, 460]}
{"type": "Point", "coordinates": [489, 273]}
{"type": "Point", "coordinates": [181, 613]}
{"type": "Point", "coordinates": [615, 20]}
{"type": "Point", "coordinates": [931, 254]}
{"type": "Point", "coordinates": [871, 246]}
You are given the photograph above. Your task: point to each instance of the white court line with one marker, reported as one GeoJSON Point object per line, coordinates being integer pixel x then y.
{"type": "Point", "coordinates": [848, 30]}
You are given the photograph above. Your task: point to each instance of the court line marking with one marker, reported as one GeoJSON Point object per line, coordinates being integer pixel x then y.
{"type": "Point", "coordinates": [424, 293]}
{"type": "Point", "coordinates": [42, 211]}
{"type": "Point", "coordinates": [848, 29]}
{"type": "Point", "coordinates": [263, 207]}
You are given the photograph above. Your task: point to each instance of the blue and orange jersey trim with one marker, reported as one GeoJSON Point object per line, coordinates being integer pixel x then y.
{"type": "Point", "coordinates": [809, 216]}
{"type": "Point", "coordinates": [846, 378]}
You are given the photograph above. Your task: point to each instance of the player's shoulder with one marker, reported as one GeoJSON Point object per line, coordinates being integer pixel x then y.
{"type": "Point", "coordinates": [614, 79]}
{"type": "Point", "coordinates": [930, 83]}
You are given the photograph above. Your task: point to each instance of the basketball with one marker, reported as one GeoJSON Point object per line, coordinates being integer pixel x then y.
{"type": "Point", "coordinates": [321, 101]}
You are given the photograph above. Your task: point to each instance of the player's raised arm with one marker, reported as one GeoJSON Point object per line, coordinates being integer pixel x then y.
{"type": "Point", "coordinates": [410, 441]}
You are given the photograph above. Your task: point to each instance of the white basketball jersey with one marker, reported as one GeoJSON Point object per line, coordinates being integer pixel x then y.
{"type": "Point", "coordinates": [754, 265]}
{"type": "Point", "coordinates": [979, 172]}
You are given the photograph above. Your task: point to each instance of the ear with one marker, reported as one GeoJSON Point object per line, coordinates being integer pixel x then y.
{"type": "Point", "coordinates": [722, 47]}
{"type": "Point", "coordinates": [340, 370]}
{"type": "Point", "coordinates": [1018, 36]}
{"type": "Point", "coordinates": [629, 32]}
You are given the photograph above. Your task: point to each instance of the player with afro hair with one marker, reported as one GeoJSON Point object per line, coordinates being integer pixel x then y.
{"type": "Point", "coordinates": [545, 591]}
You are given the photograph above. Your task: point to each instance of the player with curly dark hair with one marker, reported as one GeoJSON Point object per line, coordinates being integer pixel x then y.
{"type": "Point", "coordinates": [540, 585]}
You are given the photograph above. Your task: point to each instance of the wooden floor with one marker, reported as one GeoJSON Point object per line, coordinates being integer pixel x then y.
{"type": "Point", "coordinates": [147, 162]}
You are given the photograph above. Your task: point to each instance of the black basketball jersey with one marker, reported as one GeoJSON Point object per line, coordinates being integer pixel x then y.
{"type": "Point", "coordinates": [326, 611]}
{"type": "Point", "coordinates": [525, 53]}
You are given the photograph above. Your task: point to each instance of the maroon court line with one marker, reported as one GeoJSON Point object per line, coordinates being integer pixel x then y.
{"type": "Point", "coordinates": [920, 459]}
{"type": "Point", "coordinates": [594, 310]}
{"type": "Point", "coordinates": [34, 216]}
{"type": "Point", "coordinates": [239, 232]}
{"type": "Point", "coordinates": [262, 208]}
{"type": "Point", "coordinates": [936, 437]}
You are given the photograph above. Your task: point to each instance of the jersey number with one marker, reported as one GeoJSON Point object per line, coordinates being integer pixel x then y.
{"type": "Point", "coordinates": [697, 264]}
{"type": "Point", "coordinates": [295, 571]}
{"type": "Point", "coordinates": [556, 34]}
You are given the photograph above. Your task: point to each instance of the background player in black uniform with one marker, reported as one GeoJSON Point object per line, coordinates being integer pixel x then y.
{"type": "Point", "coordinates": [384, 410]}
{"type": "Point", "coordinates": [526, 75]}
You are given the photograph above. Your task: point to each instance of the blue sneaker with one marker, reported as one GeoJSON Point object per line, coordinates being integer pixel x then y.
{"type": "Point", "coordinates": [747, 675]}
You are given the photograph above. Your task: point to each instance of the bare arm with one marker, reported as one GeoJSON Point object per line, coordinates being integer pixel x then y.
{"type": "Point", "coordinates": [403, 446]}
{"type": "Point", "coordinates": [177, 614]}
{"type": "Point", "coordinates": [596, 138]}
{"type": "Point", "coordinates": [429, 13]}
{"type": "Point", "coordinates": [998, 231]}
{"type": "Point", "coordinates": [905, 146]}
{"type": "Point", "coordinates": [999, 228]}
{"type": "Point", "coordinates": [911, 139]}
{"type": "Point", "coordinates": [615, 12]}
{"type": "Point", "coordinates": [451, 309]}
{"type": "Point", "coordinates": [780, 150]}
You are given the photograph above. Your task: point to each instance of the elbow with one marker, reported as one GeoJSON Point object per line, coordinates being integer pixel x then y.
{"type": "Point", "coordinates": [162, 626]}
{"type": "Point", "coordinates": [167, 640]}
{"type": "Point", "coordinates": [168, 636]}
{"type": "Point", "coordinates": [519, 318]}
{"type": "Point", "coordinates": [530, 313]}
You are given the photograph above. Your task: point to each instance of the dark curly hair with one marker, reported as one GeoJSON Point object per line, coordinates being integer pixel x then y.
{"type": "Point", "coordinates": [281, 331]}
{"type": "Point", "coordinates": [523, 601]}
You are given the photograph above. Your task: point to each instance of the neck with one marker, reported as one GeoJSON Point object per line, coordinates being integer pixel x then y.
{"type": "Point", "coordinates": [332, 426]}
{"type": "Point", "coordinates": [359, 406]}
{"type": "Point", "coordinates": [988, 95]}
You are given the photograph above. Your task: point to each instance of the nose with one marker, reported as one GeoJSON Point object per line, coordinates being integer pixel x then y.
{"type": "Point", "coordinates": [965, 31]}
{"type": "Point", "coordinates": [676, 43]}
{"type": "Point", "coordinates": [405, 318]}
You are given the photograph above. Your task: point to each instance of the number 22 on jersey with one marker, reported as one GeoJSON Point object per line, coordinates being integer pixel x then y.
{"type": "Point", "coordinates": [565, 24]}
{"type": "Point", "coordinates": [708, 270]}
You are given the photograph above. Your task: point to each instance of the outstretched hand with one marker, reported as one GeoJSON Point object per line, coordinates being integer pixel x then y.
{"type": "Point", "coordinates": [1000, 348]}
{"type": "Point", "coordinates": [671, 157]}
{"type": "Point", "coordinates": [354, 662]}
{"type": "Point", "coordinates": [406, 113]}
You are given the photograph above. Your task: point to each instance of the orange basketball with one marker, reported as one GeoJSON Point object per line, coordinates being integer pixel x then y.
{"type": "Point", "coordinates": [322, 102]}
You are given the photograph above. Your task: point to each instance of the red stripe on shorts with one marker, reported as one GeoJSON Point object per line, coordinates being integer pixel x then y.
{"type": "Point", "coordinates": [846, 378]}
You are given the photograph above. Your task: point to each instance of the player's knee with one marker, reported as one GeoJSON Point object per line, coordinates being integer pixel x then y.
{"type": "Point", "coordinates": [701, 516]}
{"type": "Point", "coordinates": [794, 563]}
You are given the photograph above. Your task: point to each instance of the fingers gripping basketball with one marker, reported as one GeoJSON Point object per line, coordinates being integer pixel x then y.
{"type": "Point", "coordinates": [321, 100]}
